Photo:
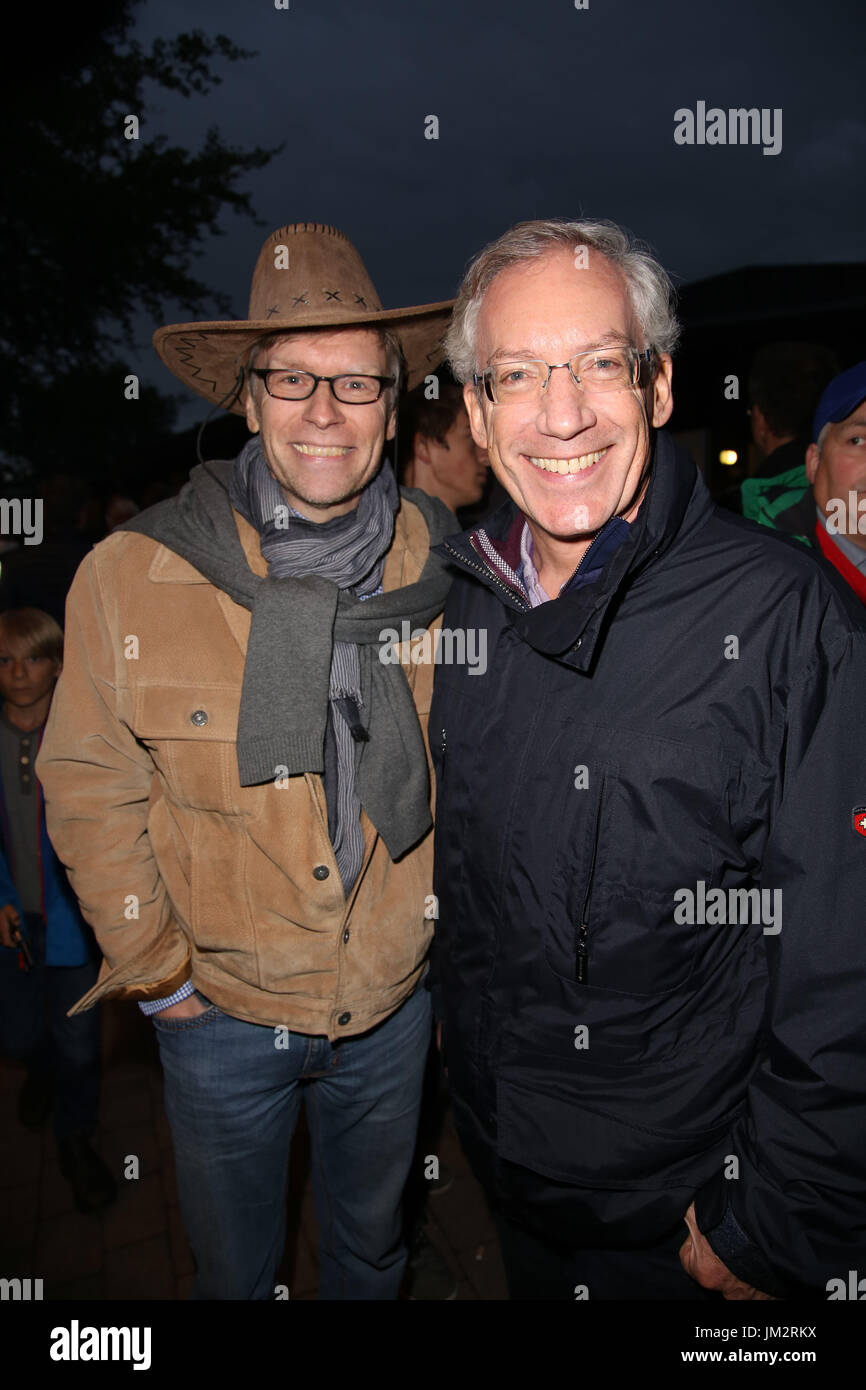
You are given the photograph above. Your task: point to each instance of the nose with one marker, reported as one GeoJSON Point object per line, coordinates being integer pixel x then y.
{"type": "Point", "coordinates": [322, 408]}
{"type": "Point", "coordinates": [566, 409]}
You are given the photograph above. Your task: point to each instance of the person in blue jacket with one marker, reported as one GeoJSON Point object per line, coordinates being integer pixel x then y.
{"type": "Point", "coordinates": [47, 953]}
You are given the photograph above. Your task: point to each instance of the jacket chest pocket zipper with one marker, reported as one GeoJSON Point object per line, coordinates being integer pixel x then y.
{"type": "Point", "coordinates": [582, 947]}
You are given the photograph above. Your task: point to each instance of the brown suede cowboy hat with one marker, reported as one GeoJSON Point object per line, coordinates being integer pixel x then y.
{"type": "Point", "coordinates": [307, 275]}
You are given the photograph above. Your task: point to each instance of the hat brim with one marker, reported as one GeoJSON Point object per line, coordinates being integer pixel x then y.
{"type": "Point", "coordinates": [207, 357]}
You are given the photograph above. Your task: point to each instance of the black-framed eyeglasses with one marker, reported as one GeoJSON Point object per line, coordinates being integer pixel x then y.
{"type": "Point", "coordinates": [603, 369]}
{"type": "Point", "coordinates": [350, 388]}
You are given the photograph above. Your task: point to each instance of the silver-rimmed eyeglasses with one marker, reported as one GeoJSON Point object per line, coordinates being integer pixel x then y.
{"type": "Point", "coordinates": [603, 369]}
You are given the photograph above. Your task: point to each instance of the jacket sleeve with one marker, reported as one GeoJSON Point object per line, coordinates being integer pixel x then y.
{"type": "Point", "coordinates": [798, 1205]}
{"type": "Point", "coordinates": [98, 784]}
{"type": "Point", "coordinates": [8, 891]}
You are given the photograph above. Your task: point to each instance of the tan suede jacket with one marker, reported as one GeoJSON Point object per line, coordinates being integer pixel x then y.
{"type": "Point", "coordinates": [178, 868]}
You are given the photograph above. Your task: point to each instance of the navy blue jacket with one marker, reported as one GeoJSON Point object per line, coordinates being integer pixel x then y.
{"type": "Point", "coordinates": [68, 938]}
{"type": "Point", "coordinates": [692, 720]}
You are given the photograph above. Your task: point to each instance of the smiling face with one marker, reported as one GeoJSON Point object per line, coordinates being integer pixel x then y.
{"type": "Point", "coordinates": [322, 453]}
{"type": "Point", "coordinates": [569, 459]}
{"type": "Point", "coordinates": [839, 468]}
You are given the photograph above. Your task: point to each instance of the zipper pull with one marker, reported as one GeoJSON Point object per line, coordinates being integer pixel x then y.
{"type": "Point", "coordinates": [582, 955]}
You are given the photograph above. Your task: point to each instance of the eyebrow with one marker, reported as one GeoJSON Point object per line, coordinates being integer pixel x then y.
{"type": "Point", "coordinates": [859, 424]}
{"type": "Point", "coordinates": [611, 339]}
{"type": "Point", "coordinates": [347, 371]}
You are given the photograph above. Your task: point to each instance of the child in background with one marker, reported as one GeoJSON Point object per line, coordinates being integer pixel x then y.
{"type": "Point", "coordinates": [47, 952]}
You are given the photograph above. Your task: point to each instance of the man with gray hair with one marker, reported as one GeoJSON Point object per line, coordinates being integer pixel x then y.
{"type": "Point", "coordinates": [670, 715]}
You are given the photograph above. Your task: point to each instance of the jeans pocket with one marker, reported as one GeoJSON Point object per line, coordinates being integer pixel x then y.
{"type": "Point", "coordinates": [184, 1025]}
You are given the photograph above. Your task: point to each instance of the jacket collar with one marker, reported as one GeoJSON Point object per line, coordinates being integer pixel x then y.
{"type": "Point", "coordinates": [801, 519]}
{"type": "Point", "coordinates": [167, 567]}
{"type": "Point", "coordinates": [568, 627]}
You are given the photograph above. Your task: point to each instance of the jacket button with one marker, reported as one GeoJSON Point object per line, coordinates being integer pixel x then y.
{"type": "Point", "coordinates": [321, 871]}
{"type": "Point", "coordinates": [343, 1019]}
{"type": "Point", "coordinates": [346, 935]}
{"type": "Point", "coordinates": [198, 717]}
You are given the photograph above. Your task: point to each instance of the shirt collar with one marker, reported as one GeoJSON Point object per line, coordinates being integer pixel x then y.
{"type": "Point", "coordinates": [609, 539]}
{"type": "Point", "coordinates": [528, 572]}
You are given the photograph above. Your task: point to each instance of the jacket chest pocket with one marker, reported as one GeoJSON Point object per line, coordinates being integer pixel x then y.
{"type": "Point", "coordinates": [190, 732]}
{"type": "Point", "coordinates": [650, 825]}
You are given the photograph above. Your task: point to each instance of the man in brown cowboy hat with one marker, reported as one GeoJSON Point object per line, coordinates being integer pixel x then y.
{"type": "Point", "coordinates": [236, 776]}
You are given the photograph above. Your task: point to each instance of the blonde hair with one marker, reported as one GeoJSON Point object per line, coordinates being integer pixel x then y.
{"type": "Point", "coordinates": [31, 632]}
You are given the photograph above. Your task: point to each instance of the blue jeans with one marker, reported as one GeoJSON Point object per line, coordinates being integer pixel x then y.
{"type": "Point", "coordinates": [34, 1029]}
{"type": "Point", "coordinates": [232, 1095]}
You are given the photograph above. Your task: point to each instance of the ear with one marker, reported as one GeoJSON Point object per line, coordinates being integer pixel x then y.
{"type": "Point", "coordinates": [759, 427]}
{"type": "Point", "coordinates": [252, 412]}
{"type": "Point", "coordinates": [421, 448]}
{"type": "Point", "coordinates": [662, 391]}
{"type": "Point", "coordinates": [391, 426]}
{"type": "Point", "coordinates": [475, 412]}
{"type": "Point", "coordinates": [813, 458]}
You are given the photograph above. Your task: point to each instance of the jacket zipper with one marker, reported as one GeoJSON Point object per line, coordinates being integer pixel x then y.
{"type": "Point", "coordinates": [583, 559]}
{"type": "Point", "coordinates": [582, 955]}
{"type": "Point", "coordinates": [487, 573]}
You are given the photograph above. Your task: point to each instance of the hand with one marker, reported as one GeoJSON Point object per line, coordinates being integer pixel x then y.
{"type": "Point", "coordinates": [190, 1007]}
{"type": "Point", "coordinates": [699, 1260]}
{"type": "Point", "coordinates": [10, 921]}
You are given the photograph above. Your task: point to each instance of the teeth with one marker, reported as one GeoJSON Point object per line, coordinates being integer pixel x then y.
{"type": "Point", "coordinates": [322, 451]}
{"type": "Point", "coordinates": [575, 465]}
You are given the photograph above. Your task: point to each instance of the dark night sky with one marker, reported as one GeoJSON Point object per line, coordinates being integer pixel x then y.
{"type": "Point", "coordinates": [544, 110]}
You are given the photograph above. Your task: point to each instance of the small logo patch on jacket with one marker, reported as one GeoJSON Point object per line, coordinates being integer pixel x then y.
{"type": "Point", "coordinates": [858, 819]}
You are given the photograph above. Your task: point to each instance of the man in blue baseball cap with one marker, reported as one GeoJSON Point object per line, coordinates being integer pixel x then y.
{"type": "Point", "coordinates": [828, 510]}
{"type": "Point", "coordinates": [836, 469]}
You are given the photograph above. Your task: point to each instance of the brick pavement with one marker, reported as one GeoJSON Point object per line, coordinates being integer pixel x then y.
{"type": "Point", "coordinates": [137, 1248]}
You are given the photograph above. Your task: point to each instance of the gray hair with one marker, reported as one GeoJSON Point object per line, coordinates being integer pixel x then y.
{"type": "Point", "coordinates": [650, 290]}
{"type": "Point", "coordinates": [395, 363]}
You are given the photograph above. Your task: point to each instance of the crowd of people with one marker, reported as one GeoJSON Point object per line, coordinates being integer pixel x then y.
{"type": "Point", "coordinates": [329, 878]}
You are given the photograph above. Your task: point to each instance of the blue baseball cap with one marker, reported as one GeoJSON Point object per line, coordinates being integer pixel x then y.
{"type": "Point", "coordinates": [841, 397]}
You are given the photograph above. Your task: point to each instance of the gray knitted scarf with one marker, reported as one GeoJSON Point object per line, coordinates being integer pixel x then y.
{"type": "Point", "coordinates": [296, 622]}
{"type": "Point", "coordinates": [350, 551]}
